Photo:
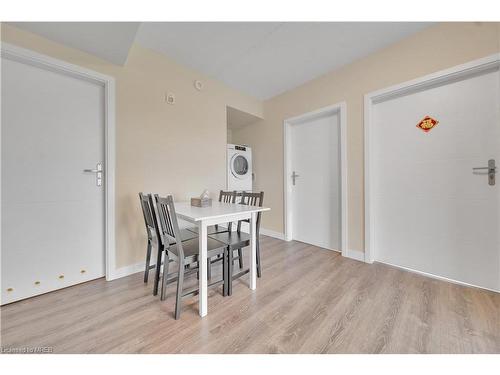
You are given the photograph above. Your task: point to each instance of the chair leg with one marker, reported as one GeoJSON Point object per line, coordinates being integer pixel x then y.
{"type": "Point", "coordinates": [165, 277]}
{"type": "Point", "coordinates": [209, 269]}
{"type": "Point", "coordinates": [257, 248]}
{"type": "Point", "coordinates": [224, 273]}
{"type": "Point", "coordinates": [148, 260]}
{"type": "Point", "coordinates": [240, 258]}
{"type": "Point", "coordinates": [180, 281]}
{"type": "Point", "coordinates": [230, 272]}
{"type": "Point", "coordinates": [157, 272]}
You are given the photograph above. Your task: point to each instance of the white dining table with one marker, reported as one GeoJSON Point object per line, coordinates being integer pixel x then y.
{"type": "Point", "coordinates": [219, 213]}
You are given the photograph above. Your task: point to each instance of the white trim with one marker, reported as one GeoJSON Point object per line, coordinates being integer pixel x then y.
{"type": "Point", "coordinates": [432, 80]}
{"type": "Point", "coordinates": [110, 157]}
{"type": "Point", "coordinates": [355, 254]}
{"type": "Point", "coordinates": [341, 109]}
{"type": "Point", "coordinates": [344, 175]}
{"type": "Point", "coordinates": [369, 256]}
{"type": "Point", "coordinates": [287, 224]}
{"type": "Point", "coordinates": [36, 59]}
{"type": "Point", "coordinates": [442, 278]}
{"type": "Point", "coordinates": [128, 270]}
{"type": "Point", "coordinates": [272, 233]}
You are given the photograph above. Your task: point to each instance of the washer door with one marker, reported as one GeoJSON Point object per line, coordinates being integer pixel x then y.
{"type": "Point", "coordinates": [240, 166]}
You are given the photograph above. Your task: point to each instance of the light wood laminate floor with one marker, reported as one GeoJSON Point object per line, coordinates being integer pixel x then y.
{"type": "Point", "coordinates": [309, 300]}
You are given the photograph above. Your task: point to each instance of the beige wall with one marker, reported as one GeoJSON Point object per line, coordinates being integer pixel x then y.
{"type": "Point", "coordinates": [436, 48]}
{"type": "Point", "coordinates": [154, 140]}
{"type": "Point", "coordinates": [179, 149]}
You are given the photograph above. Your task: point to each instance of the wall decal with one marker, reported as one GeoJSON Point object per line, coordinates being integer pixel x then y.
{"type": "Point", "coordinates": [427, 123]}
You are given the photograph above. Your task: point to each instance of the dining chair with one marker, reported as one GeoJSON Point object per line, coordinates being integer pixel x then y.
{"type": "Point", "coordinates": [184, 253]}
{"type": "Point", "coordinates": [147, 206]}
{"type": "Point", "coordinates": [226, 197]}
{"type": "Point", "coordinates": [150, 230]}
{"type": "Point", "coordinates": [237, 240]}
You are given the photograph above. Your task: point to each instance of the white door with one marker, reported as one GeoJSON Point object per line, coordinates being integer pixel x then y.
{"type": "Point", "coordinates": [431, 212]}
{"type": "Point", "coordinates": [52, 211]}
{"type": "Point", "coordinates": [315, 181]}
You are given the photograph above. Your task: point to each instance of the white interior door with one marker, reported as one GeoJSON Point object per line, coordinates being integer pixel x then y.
{"type": "Point", "coordinates": [431, 212]}
{"type": "Point", "coordinates": [52, 211]}
{"type": "Point", "coordinates": [315, 160]}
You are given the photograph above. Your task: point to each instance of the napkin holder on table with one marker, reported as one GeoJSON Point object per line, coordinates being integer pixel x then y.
{"type": "Point", "coordinates": [201, 202]}
{"type": "Point", "coordinates": [204, 200]}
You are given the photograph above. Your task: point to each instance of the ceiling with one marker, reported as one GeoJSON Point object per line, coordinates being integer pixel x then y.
{"type": "Point", "coordinates": [110, 41]}
{"type": "Point", "coordinates": [262, 59]}
{"type": "Point", "coordinates": [266, 59]}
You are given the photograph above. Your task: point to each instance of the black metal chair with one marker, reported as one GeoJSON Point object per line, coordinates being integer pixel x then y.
{"type": "Point", "coordinates": [149, 222]}
{"type": "Point", "coordinates": [237, 240]}
{"type": "Point", "coordinates": [184, 253]}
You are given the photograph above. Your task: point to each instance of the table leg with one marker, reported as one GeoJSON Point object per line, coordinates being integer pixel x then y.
{"type": "Point", "coordinates": [253, 252]}
{"type": "Point", "coordinates": [202, 263]}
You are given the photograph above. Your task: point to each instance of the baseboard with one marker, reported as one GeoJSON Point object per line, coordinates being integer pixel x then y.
{"type": "Point", "coordinates": [355, 254]}
{"type": "Point", "coordinates": [263, 231]}
{"type": "Point", "coordinates": [442, 278]}
{"type": "Point", "coordinates": [272, 233]}
{"type": "Point", "coordinates": [139, 267]}
{"type": "Point", "coordinates": [126, 271]}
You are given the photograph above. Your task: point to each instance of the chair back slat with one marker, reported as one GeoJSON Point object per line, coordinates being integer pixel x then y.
{"type": "Point", "coordinates": [252, 199]}
{"type": "Point", "coordinates": [227, 196]}
{"type": "Point", "coordinates": [238, 196]}
{"type": "Point", "coordinates": [168, 228]}
{"type": "Point", "coordinates": [147, 213]}
{"type": "Point", "coordinates": [167, 222]}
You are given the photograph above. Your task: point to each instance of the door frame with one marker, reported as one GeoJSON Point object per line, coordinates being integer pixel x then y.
{"type": "Point", "coordinates": [33, 58]}
{"type": "Point", "coordinates": [341, 109]}
{"type": "Point", "coordinates": [458, 72]}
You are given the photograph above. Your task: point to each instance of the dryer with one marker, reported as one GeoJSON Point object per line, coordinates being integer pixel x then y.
{"type": "Point", "coordinates": [239, 168]}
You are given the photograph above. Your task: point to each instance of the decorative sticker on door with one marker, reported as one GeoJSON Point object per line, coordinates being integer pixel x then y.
{"type": "Point", "coordinates": [427, 123]}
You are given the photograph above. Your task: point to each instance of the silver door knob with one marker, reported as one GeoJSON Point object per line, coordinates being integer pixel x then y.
{"type": "Point", "coordinates": [491, 168]}
{"type": "Point", "coordinates": [98, 173]}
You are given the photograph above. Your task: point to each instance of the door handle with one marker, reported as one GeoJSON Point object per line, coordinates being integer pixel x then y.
{"type": "Point", "coordinates": [491, 168]}
{"type": "Point", "coordinates": [294, 177]}
{"type": "Point", "coordinates": [98, 173]}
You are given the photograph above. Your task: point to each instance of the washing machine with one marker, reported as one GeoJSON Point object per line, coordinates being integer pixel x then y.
{"type": "Point", "coordinates": [239, 168]}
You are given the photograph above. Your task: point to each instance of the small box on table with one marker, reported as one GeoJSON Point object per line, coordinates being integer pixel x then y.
{"type": "Point", "coordinates": [198, 202]}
